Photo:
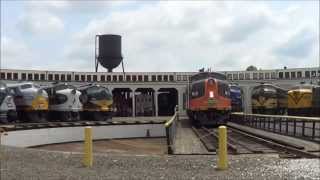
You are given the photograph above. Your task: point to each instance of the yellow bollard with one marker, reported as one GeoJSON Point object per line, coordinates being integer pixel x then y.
{"type": "Point", "coordinates": [87, 159]}
{"type": "Point", "coordinates": [223, 154]}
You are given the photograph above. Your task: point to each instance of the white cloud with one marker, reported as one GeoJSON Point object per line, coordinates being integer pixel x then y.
{"type": "Point", "coordinates": [14, 53]}
{"type": "Point", "coordinates": [174, 36]}
{"type": "Point", "coordinates": [40, 23]}
{"type": "Point", "coordinates": [183, 36]}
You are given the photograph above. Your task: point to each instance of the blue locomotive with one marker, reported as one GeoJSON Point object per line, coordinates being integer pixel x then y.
{"type": "Point", "coordinates": [236, 98]}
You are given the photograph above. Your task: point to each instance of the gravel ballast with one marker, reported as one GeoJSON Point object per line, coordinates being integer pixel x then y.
{"type": "Point", "coordinates": [19, 163]}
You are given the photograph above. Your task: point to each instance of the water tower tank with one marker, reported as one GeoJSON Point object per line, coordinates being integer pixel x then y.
{"type": "Point", "coordinates": [109, 51]}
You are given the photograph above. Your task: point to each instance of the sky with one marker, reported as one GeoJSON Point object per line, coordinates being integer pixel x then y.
{"type": "Point", "coordinates": [161, 35]}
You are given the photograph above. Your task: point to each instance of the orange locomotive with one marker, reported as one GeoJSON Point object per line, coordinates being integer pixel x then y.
{"type": "Point", "coordinates": [209, 99]}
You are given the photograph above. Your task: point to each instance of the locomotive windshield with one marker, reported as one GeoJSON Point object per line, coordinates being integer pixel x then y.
{"type": "Point", "coordinates": [3, 94]}
{"type": "Point", "coordinates": [99, 93]}
{"type": "Point", "coordinates": [302, 87]}
{"type": "Point", "coordinates": [63, 86]}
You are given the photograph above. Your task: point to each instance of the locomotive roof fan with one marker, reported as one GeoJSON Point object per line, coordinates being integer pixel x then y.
{"type": "Point", "coordinates": [108, 51]}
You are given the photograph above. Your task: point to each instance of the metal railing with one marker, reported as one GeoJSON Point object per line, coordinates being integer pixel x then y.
{"type": "Point", "coordinates": [171, 131]}
{"type": "Point", "coordinates": [302, 127]}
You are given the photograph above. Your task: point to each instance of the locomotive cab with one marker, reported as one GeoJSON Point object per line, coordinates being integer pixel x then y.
{"type": "Point", "coordinates": [209, 99]}
{"type": "Point", "coordinates": [303, 100]}
{"type": "Point", "coordinates": [97, 103]}
{"type": "Point", "coordinates": [31, 102]}
{"type": "Point", "coordinates": [7, 107]}
{"type": "Point", "coordinates": [64, 103]}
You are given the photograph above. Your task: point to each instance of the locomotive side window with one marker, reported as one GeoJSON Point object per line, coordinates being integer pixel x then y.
{"type": "Point", "coordinates": [26, 86]}
{"type": "Point", "coordinates": [98, 93]}
{"type": "Point", "coordinates": [197, 89]}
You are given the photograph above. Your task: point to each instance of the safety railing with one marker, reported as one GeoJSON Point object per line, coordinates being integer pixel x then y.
{"type": "Point", "coordinates": [171, 131]}
{"type": "Point", "coordinates": [302, 127]}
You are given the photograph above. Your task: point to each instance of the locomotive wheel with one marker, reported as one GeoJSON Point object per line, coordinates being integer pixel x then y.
{"type": "Point", "coordinates": [76, 116]}
{"type": "Point", "coordinates": [196, 121]}
{"type": "Point", "coordinates": [4, 119]}
{"type": "Point", "coordinates": [12, 116]}
{"type": "Point", "coordinates": [100, 116]}
{"type": "Point", "coordinates": [66, 116]}
{"type": "Point", "coordinates": [37, 116]}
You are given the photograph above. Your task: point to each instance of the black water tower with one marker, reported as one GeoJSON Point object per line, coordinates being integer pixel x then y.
{"type": "Point", "coordinates": [108, 52]}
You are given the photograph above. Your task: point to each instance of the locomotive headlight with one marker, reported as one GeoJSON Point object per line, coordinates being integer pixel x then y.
{"type": "Point", "coordinates": [211, 94]}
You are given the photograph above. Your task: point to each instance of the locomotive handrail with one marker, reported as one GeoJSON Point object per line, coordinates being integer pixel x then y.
{"type": "Point", "coordinates": [279, 116]}
{"type": "Point", "coordinates": [307, 128]}
{"type": "Point", "coordinates": [171, 126]}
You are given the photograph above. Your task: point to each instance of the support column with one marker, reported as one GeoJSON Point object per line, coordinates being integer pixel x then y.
{"type": "Point", "coordinates": [180, 100]}
{"type": "Point", "coordinates": [156, 102]}
{"type": "Point", "coordinates": [247, 106]}
{"type": "Point", "coordinates": [133, 102]}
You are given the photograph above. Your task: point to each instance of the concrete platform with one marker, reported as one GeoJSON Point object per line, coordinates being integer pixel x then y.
{"type": "Point", "coordinates": [142, 119]}
{"type": "Point", "coordinates": [36, 137]}
{"type": "Point", "coordinates": [309, 146]}
{"type": "Point", "coordinates": [187, 142]}
{"type": "Point", "coordinates": [132, 146]}
{"type": "Point", "coordinates": [19, 163]}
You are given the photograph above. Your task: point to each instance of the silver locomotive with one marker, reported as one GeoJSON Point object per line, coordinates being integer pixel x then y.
{"type": "Point", "coordinates": [97, 102]}
{"type": "Point", "coordinates": [64, 102]}
{"type": "Point", "coordinates": [31, 101]}
{"type": "Point", "coordinates": [7, 107]}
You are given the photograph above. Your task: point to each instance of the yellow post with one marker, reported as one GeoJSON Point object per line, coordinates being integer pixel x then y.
{"type": "Point", "coordinates": [87, 160]}
{"type": "Point", "coordinates": [223, 154]}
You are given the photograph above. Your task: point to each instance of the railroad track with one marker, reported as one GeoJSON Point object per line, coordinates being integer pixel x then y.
{"type": "Point", "coordinates": [241, 142]}
{"type": "Point", "coordinates": [56, 124]}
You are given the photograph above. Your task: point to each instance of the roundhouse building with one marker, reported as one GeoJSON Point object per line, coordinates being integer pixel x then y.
{"type": "Point", "coordinates": [167, 88]}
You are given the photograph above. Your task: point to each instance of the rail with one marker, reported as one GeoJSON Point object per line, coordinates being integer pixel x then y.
{"type": "Point", "coordinates": [171, 131]}
{"type": "Point", "coordinates": [307, 128]}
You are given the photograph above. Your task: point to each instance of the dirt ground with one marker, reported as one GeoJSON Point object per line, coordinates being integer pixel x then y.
{"type": "Point", "coordinates": [136, 146]}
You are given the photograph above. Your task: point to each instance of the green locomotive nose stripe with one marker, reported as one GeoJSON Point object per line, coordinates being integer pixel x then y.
{"type": "Point", "coordinates": [211, 101]}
